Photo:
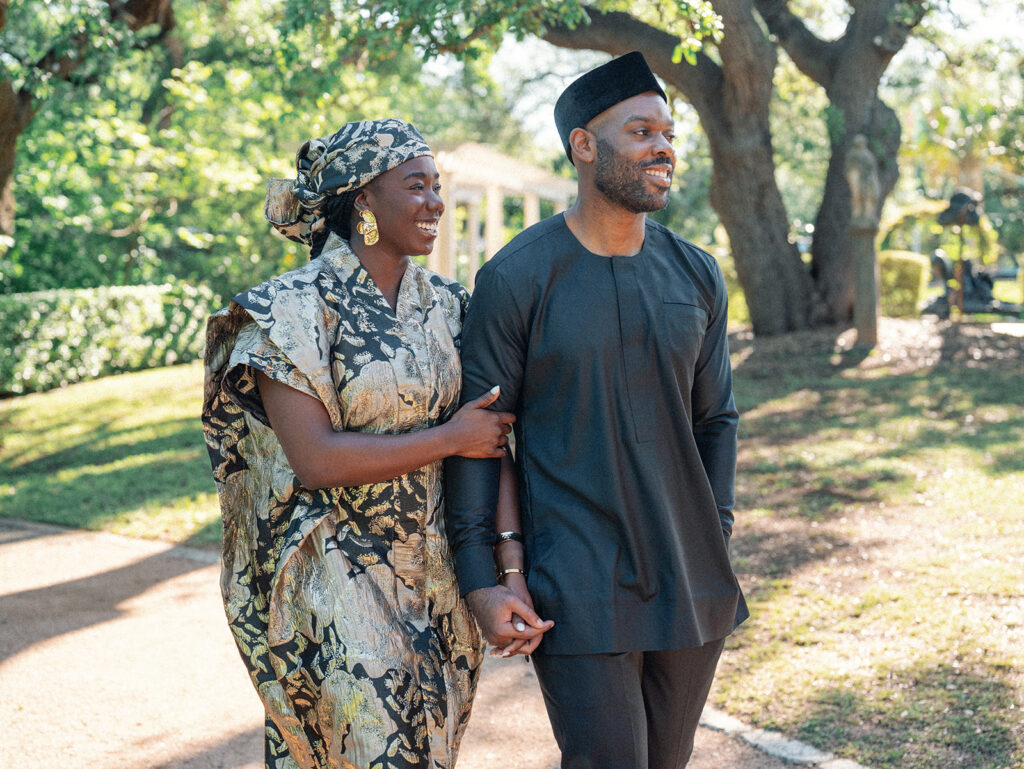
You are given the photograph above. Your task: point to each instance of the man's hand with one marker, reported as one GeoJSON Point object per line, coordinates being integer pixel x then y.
{"type": "Point", "coordinates": [504, 618]}
{"type": "Point", "coordinates": [517, 584]}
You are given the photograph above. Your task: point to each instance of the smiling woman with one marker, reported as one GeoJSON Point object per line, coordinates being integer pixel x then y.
{"type": "Point", "coordinates": [330, 400]}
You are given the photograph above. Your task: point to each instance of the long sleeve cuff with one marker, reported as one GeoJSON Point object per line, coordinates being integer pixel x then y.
{"type": "Point", "coordinates": [474, 568]}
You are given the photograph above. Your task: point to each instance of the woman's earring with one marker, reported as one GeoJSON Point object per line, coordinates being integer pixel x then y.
{"type": "Point", "coordinates": [368, 227]}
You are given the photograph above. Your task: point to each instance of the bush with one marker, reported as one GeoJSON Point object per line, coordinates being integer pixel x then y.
{"type": "Point", "coordinates": [903, 278]}
{"type": "Point", "coordinates": [54, 338]}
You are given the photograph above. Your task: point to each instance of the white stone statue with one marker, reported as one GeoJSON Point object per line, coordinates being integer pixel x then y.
{"type": "Point", "coordinates": [862, 175]}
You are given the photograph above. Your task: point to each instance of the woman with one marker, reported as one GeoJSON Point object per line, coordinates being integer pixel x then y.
{"type": "Point", "coordinates": [328, 406]}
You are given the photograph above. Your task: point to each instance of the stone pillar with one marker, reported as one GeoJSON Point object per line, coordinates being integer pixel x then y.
{"type": "Point", "coordinates": [494, 230]}
{"type": "Point", "coordinates": [442, 259]}
{"type": "Point", "coordinates": [861, 169]}
{"type": "Point", "coordinates": [531, 209]}
{"type": "Point", "coordinates": [865, 282]}
{"type": "Point", "coordinates": [472, 242]}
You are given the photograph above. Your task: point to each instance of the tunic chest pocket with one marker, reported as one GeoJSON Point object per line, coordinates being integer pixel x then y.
{"type": "Point", "coordinates": [684, 324]}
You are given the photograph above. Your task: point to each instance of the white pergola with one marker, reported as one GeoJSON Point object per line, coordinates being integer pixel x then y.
{"type": "Point", "coordinates": [474, 176]}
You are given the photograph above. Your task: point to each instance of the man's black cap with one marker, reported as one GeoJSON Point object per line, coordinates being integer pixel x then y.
{"type": "Point", "coordinates": [593, 92]}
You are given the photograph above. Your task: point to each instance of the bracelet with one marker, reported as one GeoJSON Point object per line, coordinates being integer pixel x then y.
{"type": "Point", "coordinates": [505, 572]}
{"type": "Point", "coordinates": [508, 536]}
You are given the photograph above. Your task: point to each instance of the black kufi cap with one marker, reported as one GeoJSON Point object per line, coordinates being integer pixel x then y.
{"type": "Point", "coordinates": [593, 92]}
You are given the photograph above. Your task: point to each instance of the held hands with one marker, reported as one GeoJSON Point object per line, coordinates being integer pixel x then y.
{"type": "Point", "coordinates": [479, 433]}
{"type": "Point", "coordinates": [500, 613]}
{"type": "Point", "coordinates": [517, 584]}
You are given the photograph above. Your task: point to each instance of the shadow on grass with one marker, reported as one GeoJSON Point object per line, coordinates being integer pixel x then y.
{"type": "Point", "coordinates": [888, 418]}
{"type": "Point", "coordinates": [89, 498]}
{"type": "Point", "coordinates": [925, 722]}
{"type": "Point", "coordinates": [104, 445]}
{"type": "Point", "coordinates": [110, 473]}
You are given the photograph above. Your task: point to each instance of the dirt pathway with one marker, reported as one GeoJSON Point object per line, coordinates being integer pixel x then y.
{"type": "Point", "coordinates": [114, 654]}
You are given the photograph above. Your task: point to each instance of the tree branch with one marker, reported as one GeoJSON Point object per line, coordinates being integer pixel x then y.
{"type": "Point", "coordinates": [812, 55]}
{"type": "Point", "coordinates": [618, 33]}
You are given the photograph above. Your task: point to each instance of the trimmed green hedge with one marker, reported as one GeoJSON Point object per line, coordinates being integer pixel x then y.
{"type": "Point", "coordinates": [903, 280]}
{"type": "Point", "coordinates": [54, 338]}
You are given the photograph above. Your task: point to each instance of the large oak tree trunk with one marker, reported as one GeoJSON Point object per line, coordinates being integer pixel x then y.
{"type": "Point", "coordinates": [850, 69]}
{"type": "Point", "coordinates": [775, 282]}
{"type": "Point", "coordinates": [15, 113]}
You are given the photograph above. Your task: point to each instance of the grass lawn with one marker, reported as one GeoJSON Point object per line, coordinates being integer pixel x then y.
{"type": "Point", "coordinates": [880, 540]}
{"type": "Point", "coordinates": [879, 536]}
{"type": "Point", "coordinates": [122, 454]}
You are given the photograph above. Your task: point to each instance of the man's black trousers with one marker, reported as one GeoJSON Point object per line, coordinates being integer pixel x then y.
{"type": "Point", "coordinates": [634, 710]}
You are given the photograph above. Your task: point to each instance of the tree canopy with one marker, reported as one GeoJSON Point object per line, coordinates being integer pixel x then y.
{"type": "Point", "coordinates": [155, 164]}
{"type": "Point", "coordinates": [144, 131]}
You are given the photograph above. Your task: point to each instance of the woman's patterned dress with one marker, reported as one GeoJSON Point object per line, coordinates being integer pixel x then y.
{"type": "Point", "coordinates": [342, 601]}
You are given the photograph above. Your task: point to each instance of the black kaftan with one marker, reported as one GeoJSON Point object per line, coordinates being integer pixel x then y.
{"type": "Point", "coordinates": [617, 369]}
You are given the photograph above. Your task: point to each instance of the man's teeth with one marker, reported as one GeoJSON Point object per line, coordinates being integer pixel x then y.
{"type": "Point", "coordinates": [430, 227]}
{"type": "Point", "coordinates": [658, 172]}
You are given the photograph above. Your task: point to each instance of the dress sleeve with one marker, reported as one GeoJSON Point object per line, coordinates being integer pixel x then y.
{"type": "Point", "coordinates": [493, 351]}
{"type": "Point", "coordinates": [255, 351]}
{"type": "Point", "coordinates": [286, 332]}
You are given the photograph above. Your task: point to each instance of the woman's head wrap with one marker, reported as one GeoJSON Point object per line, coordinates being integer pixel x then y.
{"type": "Point", "coordinates": [346, 160]}
{"type": "Point", "coordinates": [593, 92]}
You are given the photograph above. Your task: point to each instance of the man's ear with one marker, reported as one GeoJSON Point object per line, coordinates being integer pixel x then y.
{"type": "Point", "coordinates": [583, 145]}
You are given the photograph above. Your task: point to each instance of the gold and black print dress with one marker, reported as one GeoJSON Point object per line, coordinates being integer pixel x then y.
{"type": "Point", "coordinates": [342, 601]}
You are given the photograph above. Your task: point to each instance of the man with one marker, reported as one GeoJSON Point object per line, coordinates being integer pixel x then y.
{"type": "Point", "coordinates": [607, 336]}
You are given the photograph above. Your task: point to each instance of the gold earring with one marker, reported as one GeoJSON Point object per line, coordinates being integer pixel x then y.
{"type": "Point", "coordinates": [368, 227]}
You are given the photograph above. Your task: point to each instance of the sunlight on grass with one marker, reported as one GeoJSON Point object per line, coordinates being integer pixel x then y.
{"type": "Point", "coordinates": [123, 454]}
{"type": "Point", "coordinates": [882, 562]}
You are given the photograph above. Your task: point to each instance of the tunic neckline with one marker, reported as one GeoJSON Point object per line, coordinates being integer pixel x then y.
{"type": "Point", "coordinates": [588, 252]}
{"type": "Point", "coordinates": [339, 254]}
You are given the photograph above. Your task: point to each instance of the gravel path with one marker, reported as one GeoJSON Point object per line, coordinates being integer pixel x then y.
{"type": "Point", "coordinates": [114, 654]}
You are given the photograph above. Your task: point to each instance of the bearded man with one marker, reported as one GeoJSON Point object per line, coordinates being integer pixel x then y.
{"type": "Point", "coordinates": [606, 333]}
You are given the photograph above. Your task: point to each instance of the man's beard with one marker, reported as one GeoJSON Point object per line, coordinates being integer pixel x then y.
{"type": "Point", "coordinates": [625, 183]}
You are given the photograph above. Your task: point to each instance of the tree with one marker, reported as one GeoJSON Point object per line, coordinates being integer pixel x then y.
{"type": "Point", "coordinates": [46, 45]}
{"type": "Point", "coordinates": [148, 169]}
{"type": "Point", "coordinates": [731, 88]}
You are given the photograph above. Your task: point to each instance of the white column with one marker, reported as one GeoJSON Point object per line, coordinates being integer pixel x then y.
{"type": "Point", "coordinates": [472, 241]}
{"type": "Point", "coordinates": [442, 258]}
{"type": "Point", "coordinates": [494, 232]}
{"type": "Point", "coordinates": [531, 209]}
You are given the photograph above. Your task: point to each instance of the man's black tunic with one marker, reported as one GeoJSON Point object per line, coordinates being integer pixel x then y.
{"type": "Point", "coordinates": [617, 369]}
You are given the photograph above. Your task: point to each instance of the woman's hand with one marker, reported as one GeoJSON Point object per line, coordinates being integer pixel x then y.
{"type": "Point", "coordinates": [477, 432]}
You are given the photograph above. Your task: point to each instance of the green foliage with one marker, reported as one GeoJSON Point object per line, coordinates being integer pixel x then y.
{"type": "Point", "coordinates": [152, 173]}
{"type": "Point", "coordinates": [800, 143]}
{"type": "Point", "coordinates": [54, 338]}
{"type": "Point", "coordinates": [903, 277]}
{"type": "Point", "coordinates": [43, 31]}
{"type": "Point", "coordinates": [432, 27]}
{"type": "Point", "coordinates": [961, 112]}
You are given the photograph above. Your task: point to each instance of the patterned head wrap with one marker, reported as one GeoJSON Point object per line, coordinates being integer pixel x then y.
{"type": "Point", "coordinates": [344, 161]}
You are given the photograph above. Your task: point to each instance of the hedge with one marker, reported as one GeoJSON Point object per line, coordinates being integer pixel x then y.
{"type": "Point", "coordinates": [903, 277]}
{"type": "Point", "coordinates": [54, 338]}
